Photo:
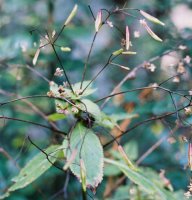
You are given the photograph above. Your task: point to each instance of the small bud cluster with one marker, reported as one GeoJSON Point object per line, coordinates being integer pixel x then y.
{"type": "Point", "coordinates": [149, 66]}
{"type": "Point", "coordinates": [188, 194]}
{"type": "Point", "coordinates": [58, 72]}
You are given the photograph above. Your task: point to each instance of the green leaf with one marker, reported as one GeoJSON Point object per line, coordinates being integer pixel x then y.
{"type": "Point", "coordinates": [110, 121]}
{"type": "Point", "coordinates": [87, 92]}
{"type": "Point", "coordinates": [130, 148]}
{"type": "Point", "coordinates": [4, 195]}
{"type": "Point", "coordinates": [111, 170]}
{"type": "Point", "coordinates": [76, 87]}
{"type": "Point", "coordinates": [144, 182]}
{"type": "Point", "coordinates": [122, 116]}
{"type": "Point", "coordinates": [56, 116]}
{"type": "Point", "coordinates": [92, 108]}
{"type": "Point", "coordinates": [34, 168]}
{"type": "Point", "coordinates": [90, 149]}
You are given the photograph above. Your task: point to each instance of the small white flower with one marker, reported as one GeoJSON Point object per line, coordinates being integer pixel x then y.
{"type": "Point", "coordinates": [136, 34]}
{"type": "Point", "coordinates": [58, 72]}
{"type": "Point", "coordinates": [187, 59]}
{"type": "Point", "coordinates": [110, 24]}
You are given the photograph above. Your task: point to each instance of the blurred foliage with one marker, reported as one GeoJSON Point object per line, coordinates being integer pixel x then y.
{"type": "Point", "coordinates": [18, 77]}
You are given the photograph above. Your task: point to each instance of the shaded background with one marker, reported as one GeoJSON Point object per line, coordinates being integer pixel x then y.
{"type": "Point", "coordinates": [17, 48]}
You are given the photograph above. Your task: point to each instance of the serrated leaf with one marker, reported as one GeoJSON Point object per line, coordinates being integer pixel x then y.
{"type": "Point", "coordinates": [91, 151]}
{"type": "Point", "coordinates": [56, 117]}
{"type": "Point", "coordinates": [144, 182]}
{"type": "Point", "coordinates": [34, 169]}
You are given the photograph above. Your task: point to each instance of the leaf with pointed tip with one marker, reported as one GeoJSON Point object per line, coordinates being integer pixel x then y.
{"type": "Point", "coordinates": [92, 108]}
{"type": "Point", "coordinates": [4, 195]}
{"type": "Point", "coordinates": [90, 149]}
{"type": "Point", "coordinates": [56, 117]}
{"type": "Point", "coordinates": [138, 178]}
{"type": "Point", "coordinates": [110, 121]}
{"type": "Point", "coordinates": [34, 168]}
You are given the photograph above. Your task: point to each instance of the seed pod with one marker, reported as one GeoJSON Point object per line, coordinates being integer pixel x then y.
{"type": "Point", "coordinates": [126, 159]}
{"type": "Point", "coordinates": [127, 39]}
{"type": "Point", "coordinates": [98, 21]}
{"type": "Point", "coordinates": [83, 174]}
{"type": "Point", "coordinates": [65, 49]}
{"type": "Point", "coordinates": [151, 33]}
{"type": "Point", "coordinates": [151, 18]}
{"type": "Point", "coordinates": [190, 155]}
{"type": "Point", "coordinates": [129, 52]}
{"type": "Point", "coordinates": [72, 14]}
{"type": "Point", "coordinates": [118, 52]}
{"type": "Point", "coordinates": [36, 56]}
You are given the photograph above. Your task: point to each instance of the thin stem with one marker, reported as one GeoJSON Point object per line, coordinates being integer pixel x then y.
{"type": "Point", "coordinates": [84, 195]}
{"type": "Point", "coordinates": [109, 59]}
{"type": "Point", "coordinates": [58, 58]}
{"type": "Point", "coordinates": [144, 122]}
{"type": "Point", "coordinates": [58, 35]}
{"type": "Point", "coordinates": [87, 60]}
{"type": "Point", "coordinates": [47, 156]}
{"type": "Point", "coordinates": [91, 12]}
{"type": "Point", "coordinates": [138, 89]}
{"type": "Point", "coordinates": [34, 123]}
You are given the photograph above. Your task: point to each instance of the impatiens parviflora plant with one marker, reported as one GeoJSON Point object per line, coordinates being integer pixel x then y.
{"type": "Point", "coordinates": [81, 148]}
